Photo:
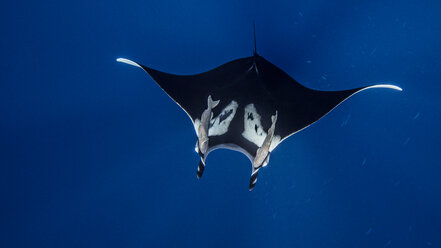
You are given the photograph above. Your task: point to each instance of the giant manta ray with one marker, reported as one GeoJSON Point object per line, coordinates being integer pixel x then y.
{"type": "Point", "coordinates": [248, 105]}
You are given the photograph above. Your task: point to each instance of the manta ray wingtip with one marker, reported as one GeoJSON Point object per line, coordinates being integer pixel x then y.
{"type": "Point", "coordinates": [387, 86]}
{"type": "Point", "coordinates": [128, 61]}
{"type": "Point", "coordinates": [397, 88]}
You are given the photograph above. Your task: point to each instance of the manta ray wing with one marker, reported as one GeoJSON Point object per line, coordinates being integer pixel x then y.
{"type": "Point", "coordinates": [299, 106]}
{"type": "Point", "coordinates": [190, 92]}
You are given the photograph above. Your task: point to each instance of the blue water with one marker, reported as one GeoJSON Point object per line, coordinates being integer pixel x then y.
{"type": "Point", "coordinates": [94, 154]}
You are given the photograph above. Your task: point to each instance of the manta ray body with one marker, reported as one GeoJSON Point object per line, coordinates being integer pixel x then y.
{"type": "Point", "coordinates": [248, 105]}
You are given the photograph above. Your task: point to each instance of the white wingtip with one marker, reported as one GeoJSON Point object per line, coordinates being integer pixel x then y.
{"type": "Point", "coordinates": [128, 61]}
{"type": "Point", "coordinates": [388, 86]}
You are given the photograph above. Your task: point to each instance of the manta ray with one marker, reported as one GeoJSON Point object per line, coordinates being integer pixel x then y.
{"type": "Point", "coordinates": [247, 105]}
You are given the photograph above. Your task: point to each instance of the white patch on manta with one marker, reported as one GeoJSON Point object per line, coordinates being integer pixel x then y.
{"type": "Point", "coordinates": [219, 125]}
{"type": "Point", "coordinates": [253, 130]}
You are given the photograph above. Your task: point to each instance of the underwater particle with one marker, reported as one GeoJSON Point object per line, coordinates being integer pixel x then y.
{"type": "Point", "coordinates": [428, 243]}
{"type": "Point", "coordinates": [329, 180]}
{"type": "Point", "coordinates": [308, 61]}
{"type": "Point", "coordinates": [417, 115]}
{"type": "Point", "coordinates": [406, 141]}
{"type": "Point", "coordinates": [368, 232]}
{"type": "Point", "coordinates": [363, 163]}
{"type": "Point", "coordinates": [345, 122]}
{"type": "Point", "coordinates": [388, 243]}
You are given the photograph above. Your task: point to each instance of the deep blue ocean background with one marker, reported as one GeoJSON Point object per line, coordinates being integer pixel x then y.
{"type": "Point", "coordinates": [94, 154]}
